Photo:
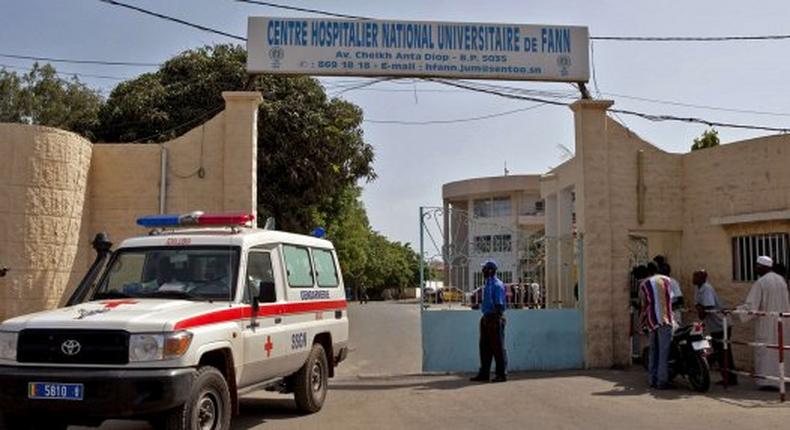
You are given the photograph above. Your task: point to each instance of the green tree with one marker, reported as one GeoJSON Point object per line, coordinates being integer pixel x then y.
{"type": "Point", "coordinates": [390, 265]}
{"type": "Point", "coordinates": [709, 139]}
{"type": "Point", "coordinates": [348, 228]}
{"type": "Point", "coordinates": [41, 97]}
{"type": "Point", "coordinates": [310, 147]}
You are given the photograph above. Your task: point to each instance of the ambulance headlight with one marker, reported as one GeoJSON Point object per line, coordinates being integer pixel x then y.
{"type": "Point", "coordinates": [8, 341]}
{"type": "Point", "coordinates": [158, 346]}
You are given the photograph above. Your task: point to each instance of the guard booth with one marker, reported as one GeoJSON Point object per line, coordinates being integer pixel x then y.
{"type": "Point", "coordinates": [545, 326]}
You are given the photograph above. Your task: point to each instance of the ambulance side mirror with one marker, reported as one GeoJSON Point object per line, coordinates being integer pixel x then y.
{"type": "Point", "coordinates": [267, 293]}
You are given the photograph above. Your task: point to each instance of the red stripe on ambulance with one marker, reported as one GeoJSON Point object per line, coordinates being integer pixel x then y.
{"type": "Point", "coordinates": [239, 313]}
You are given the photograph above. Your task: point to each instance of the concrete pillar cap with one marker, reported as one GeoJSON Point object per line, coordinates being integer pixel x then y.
{"type": "Point", "coordinates": [590, 104]}
{"type": "Point", "coordinates": [241, 96]}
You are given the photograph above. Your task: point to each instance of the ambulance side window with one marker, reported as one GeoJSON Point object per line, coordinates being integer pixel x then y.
{"type": "Point", "coordinates": [298, 267]}
{"type": "Point", "coordinates": [260, 278]}
{"type": "Point", "coordinates": [326, 272]}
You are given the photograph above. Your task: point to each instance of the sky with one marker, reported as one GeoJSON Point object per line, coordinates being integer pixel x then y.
{"type": "Point", "coordinates": [412, 162]}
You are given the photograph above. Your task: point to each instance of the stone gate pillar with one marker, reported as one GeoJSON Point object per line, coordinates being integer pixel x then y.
{"type": "Point", "coordinates": [241, 133]}
{"type": "Point", "coordinates": [606, 338]}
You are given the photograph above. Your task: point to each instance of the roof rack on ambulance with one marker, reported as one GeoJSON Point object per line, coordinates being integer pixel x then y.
{"type": "Point", "coordinates": [158, 223]}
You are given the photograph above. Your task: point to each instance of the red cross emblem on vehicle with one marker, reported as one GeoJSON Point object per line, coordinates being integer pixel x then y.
{"type": "Point", "coordinates": [112, 304]}
{"type": "Point", "coordinates": [268, 346]}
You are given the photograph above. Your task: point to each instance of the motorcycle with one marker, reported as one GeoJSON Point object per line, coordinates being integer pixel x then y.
{"type": "Point", "coordinates": [688, 356]}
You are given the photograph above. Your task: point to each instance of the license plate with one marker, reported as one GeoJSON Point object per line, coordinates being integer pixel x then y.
{"type": "Point", "coordinates": [700, 344]}
{"type": "Point", "coordinates": [55, 391]}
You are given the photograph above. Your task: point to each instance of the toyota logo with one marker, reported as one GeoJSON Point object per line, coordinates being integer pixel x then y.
{"type": "Point", "coordinates": [70, 347]}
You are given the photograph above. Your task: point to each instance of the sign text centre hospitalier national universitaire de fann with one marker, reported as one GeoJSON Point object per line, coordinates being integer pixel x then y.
{"type": "Point", "coordinates": [417, 48]}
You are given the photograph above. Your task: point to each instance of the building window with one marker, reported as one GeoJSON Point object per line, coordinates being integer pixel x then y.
{"type": "Point", "coordinates": [482, 208]}
{"type": "Point", "coordinates": [746, 249]}
{"type": "Point", "coordinates": [540, 206]}
{"type": "Point", "coordinates": [501, 207]}
{"type": "Point", "coordinates": [482, 244]}
{"type": "Point", "coordinates": [497, 207]}
{"type": "Point", "coordinates": [501, 243]}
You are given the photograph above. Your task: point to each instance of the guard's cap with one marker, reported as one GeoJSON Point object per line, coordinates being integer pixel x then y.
{"type": "Point", "coordinates": [490, 264]}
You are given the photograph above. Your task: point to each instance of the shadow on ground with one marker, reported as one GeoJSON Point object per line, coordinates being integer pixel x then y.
{"type": "Point", "coordinates": [622, 382]}
{"type": "Point", "coordinates": [633, 383]}
{"type": "Point", "coordinates": [255, 412]}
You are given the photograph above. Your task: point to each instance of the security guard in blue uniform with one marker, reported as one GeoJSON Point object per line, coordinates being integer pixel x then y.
{"type": "Point", "coordinates": [492, 326]}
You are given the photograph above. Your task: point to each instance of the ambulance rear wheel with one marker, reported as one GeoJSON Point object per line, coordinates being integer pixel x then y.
{"type": "Point", "coordinates": [310, 383]}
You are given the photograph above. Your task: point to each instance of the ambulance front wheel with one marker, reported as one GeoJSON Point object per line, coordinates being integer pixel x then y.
{"type": "Point", "coordinates": [310, 383]}
{"type": "Point", "coordinates": [207, 408]}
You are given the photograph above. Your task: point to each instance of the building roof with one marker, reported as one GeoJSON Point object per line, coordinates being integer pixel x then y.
{"type": "Point", "coordinates": [490, 185]}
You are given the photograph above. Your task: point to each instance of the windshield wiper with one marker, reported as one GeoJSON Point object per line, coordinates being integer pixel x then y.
{"type": "Point", "coordinates": [173, 294]}
{"type": "Point", "coordinates": [110, 295]}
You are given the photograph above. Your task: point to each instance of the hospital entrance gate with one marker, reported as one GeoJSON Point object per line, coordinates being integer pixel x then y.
{"type": "Point", "coordinates": [544, 329]}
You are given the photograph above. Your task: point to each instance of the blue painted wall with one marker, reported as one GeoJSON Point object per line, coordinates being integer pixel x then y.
{"type": "Point", "coordinates": [545, 339]}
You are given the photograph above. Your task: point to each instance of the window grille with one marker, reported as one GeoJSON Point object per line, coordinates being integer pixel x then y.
{"type": "Point", "coordinates": [746, 249]}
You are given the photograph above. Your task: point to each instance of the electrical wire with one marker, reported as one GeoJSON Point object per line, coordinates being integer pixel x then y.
{"type": "Point", "coordinates": [697, 106]}
{"type": "Point", "coordinates": [644, 99]}
{"type": "Point", "coordinates": [72, 61]}
{"type": "Point", "coordinates": [362, 85]}
{"type": "Point", "coordinates": [690, 38]}
{"type": "Point", "coordinates": [302, 9]}
{"type": "Point", "coordinates": [647, 116]}
{"type": "Point", "coordinates": [173, 19]}
{"type": "Point", "coordinates": [68, 74]}
{"type": "Point", "coordinates": [451, 121]}
{"type": "Point", "coordinates": [194, 120]}
{"type": "Point", "coordinates": [595, 83]}
{"type": "Point", "coordinates": [605, 38]}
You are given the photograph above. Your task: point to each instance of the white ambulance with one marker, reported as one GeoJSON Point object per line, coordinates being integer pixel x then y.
{"type": "Point", "coordinates": [174, 326]}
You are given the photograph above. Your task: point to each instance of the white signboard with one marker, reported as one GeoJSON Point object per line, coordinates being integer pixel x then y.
{"type": "Point", "coordinates": [336, 47]}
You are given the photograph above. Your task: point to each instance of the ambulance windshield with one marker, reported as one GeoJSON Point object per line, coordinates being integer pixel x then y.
{"type": "Point", "coordinates": [192, 273]}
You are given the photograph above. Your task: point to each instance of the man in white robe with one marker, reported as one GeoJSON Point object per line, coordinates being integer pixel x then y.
{"type": "Point", "coordinates": [768, 294]}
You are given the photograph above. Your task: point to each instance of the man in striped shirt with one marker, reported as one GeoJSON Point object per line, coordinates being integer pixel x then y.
{"type": "Point", "coordinates": [655, 297]}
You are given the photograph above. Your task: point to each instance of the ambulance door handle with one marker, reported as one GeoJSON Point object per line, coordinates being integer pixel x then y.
{"type": "Point", "coordinates": [278, 320]}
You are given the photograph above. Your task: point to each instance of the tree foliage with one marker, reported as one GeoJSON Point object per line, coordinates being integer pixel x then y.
{"type": "Point", "coordinates": [41, 97]}
{"type": "Point", "coordinates": [709, 139]}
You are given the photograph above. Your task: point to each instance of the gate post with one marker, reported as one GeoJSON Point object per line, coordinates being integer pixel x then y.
{"type": "Point", "coordinates": [422, 257]}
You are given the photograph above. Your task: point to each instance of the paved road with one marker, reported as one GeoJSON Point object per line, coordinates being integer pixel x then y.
{"type": "Point", "coordinates": [385, 339]}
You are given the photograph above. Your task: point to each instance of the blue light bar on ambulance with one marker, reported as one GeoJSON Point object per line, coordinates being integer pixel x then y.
{"type": "Point", "coordinates": [195, 219]}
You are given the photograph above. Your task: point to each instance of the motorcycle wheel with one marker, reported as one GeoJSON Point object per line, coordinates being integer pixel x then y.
{"type": "Point", "coordinates": [699, 373]}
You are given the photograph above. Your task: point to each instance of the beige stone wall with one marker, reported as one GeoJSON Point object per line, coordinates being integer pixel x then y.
{"type": "Point", "coordinates": [59, 190]}
{"type": "Point", "coordinates": [747, 177]}
{"type": "Point", "coordinates": [685, 197]}
{"type": "Point", "coordinates": [42, 195]}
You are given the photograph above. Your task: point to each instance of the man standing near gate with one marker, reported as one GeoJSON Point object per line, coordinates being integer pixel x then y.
{"type": "Point", "coordinates": [492, 327]}
{"type": "Point", "coordinates": [655, 297]}
{"type": "Point", "coordinates": [768, 294]}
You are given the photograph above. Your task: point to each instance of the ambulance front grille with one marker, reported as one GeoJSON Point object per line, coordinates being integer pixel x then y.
{"type": "Point", "coordinates": [73, 346]}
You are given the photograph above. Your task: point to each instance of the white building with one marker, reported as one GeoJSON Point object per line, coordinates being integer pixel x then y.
{"type": "Point", "coordinates": [494, 217]}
